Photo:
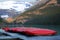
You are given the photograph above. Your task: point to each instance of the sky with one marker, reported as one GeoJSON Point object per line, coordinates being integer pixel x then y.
{"type": "Point", "coordinates": [9, 4]}
{"type": "Point", "coordinates": [18, 6]}
{"type": "Point", "coordinates": [19, 0]}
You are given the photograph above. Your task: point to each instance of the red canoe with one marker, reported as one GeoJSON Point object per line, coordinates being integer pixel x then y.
{"type": "Point", "coordinates": [31, 31]}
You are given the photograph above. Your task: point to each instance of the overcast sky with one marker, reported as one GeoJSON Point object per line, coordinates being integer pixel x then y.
{"type": "Point", "coordinates": [18, 0]}
{"type": "Point", "coordinates": [14, 5]}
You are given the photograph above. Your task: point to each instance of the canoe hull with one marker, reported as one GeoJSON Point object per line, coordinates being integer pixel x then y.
{"type": "Point", "coordinates": [31, 31]}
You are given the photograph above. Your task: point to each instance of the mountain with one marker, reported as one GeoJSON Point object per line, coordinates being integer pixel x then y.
{"type": "Point", "coordinates": [10, 9]}
{"type": "Point", "coordinates": [49, 14]}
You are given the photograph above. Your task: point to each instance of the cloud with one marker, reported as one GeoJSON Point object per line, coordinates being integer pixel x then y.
{"type": "Point", "coordinates": [21, 6]}
{"type": "Point", "coordinates": [6, 4]}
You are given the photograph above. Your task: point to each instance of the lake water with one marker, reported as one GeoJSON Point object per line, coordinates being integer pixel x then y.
{"type": "Point", "coordinates": [56, 27]}
{"type": "Point", "coordinates": [53, 27]}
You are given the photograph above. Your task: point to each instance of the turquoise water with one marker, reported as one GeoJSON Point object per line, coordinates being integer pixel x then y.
{"type": "Point", "coordinates": [56, 27]}
{"type": "Point", "coordinates": [52, 27]}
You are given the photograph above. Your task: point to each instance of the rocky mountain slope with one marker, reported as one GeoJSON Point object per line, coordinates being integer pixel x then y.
{"type": "Point", "coordinates": [48, 14]}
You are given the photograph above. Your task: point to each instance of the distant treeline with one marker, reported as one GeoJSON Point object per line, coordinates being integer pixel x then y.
{"type": "Point", "coordinates": [51, 16]}
{"type": "Point", "coordinates": [58, 1]}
